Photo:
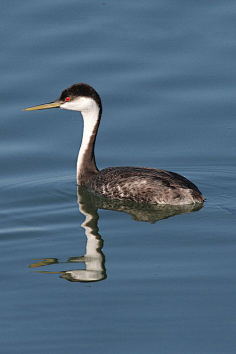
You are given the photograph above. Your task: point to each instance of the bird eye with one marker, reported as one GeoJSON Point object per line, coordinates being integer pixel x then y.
{"type": "Point", "coordinates": [67, 99]}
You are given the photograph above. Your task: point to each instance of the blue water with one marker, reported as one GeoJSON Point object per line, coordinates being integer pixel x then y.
{"type": "Point", "coordinates": [166, 74]}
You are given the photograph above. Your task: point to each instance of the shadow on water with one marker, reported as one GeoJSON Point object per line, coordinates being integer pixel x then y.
{"type": "Point", "coordinates": [94, 259]}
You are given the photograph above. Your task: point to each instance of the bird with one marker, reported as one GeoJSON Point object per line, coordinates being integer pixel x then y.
{"type": "Point", "coordinates": [134, 184]}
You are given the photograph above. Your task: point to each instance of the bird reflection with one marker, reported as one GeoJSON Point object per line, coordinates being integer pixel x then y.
{"type": "Point", "coordinates": [94, 259]}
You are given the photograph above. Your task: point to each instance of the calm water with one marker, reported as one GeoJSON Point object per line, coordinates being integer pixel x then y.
{"type": "Point", "coordinates": [166, 74]}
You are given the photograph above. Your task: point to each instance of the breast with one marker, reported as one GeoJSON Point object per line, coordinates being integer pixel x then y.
{"type": "Point", "coordinates": [144, 185]}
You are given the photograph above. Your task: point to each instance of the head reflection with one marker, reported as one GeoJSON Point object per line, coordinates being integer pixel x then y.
{"type": "Point", "coordinates": [94, 259]}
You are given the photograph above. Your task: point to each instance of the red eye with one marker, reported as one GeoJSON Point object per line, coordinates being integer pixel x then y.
{"type": "Point", "coordinates": [67, 99]}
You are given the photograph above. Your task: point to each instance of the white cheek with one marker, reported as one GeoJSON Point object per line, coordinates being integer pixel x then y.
{"type": "Point", "coordinates": [80, 104]}
{"type": "Point", "coordinates": [65, 106]}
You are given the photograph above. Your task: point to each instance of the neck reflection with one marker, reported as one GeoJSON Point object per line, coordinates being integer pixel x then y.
{"type": "Point", "coordinates": [94, 259]}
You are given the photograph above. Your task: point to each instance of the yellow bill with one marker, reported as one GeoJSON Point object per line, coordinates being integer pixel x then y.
{"type": "Point", "coordinates": [55, 104]}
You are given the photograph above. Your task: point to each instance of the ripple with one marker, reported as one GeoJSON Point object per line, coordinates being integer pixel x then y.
{"type": "Point", "coordinates": [37, 203]}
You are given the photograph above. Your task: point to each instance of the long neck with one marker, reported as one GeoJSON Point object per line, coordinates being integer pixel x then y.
{"type": "Point", "coordinates": [86, 164]}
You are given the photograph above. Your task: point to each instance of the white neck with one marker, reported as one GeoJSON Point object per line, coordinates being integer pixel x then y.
{"type": "Point", "coordinates": [91, 113]}
{"type": "Point", "coordinates": [90, 120]}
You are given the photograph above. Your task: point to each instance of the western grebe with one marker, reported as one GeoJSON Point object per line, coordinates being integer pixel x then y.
{"type": "Point", "coordinates": [142, 185]}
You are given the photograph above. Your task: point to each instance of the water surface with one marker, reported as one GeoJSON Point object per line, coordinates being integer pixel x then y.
{"type": "Point", "coordinates": [76, 274]}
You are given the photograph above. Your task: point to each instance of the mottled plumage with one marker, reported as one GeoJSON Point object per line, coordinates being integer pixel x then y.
{"type": "Point", "coordinates": [144, 185]}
